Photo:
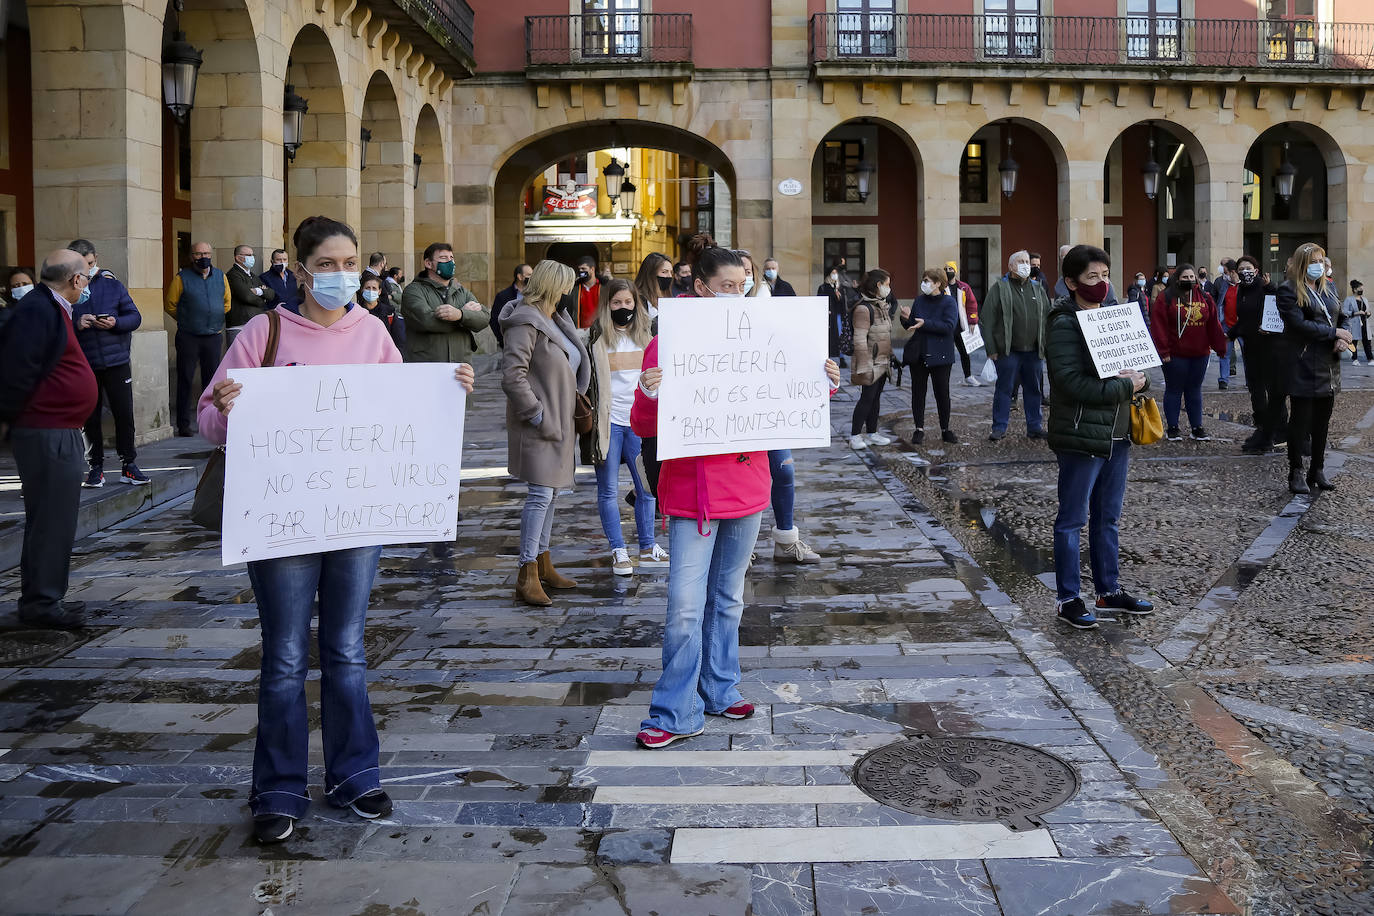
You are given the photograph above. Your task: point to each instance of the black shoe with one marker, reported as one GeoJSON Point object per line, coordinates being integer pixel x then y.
{"type": "Point", "coordinates": [950, 436]}
{"type": "Point", "coordinates": [64, 617]}
{"type": "Point", "coordinates": [95, 479]}
{"type": "Point", "coordinates": [918, 437]}
{"type": "Point", "coordinates": [1173, 434]}
{"type": "Point", "coordinates": [1221, 384]}
{"type": "Point", "coordinates": [630, 497]}
{"type": "Point", "coordinates": [1035, 434]}
{"type": "Point", "coordinates": [1200, 435]}
{"type": "Point", "coordinates": [1126, 603]}
{"type": "Point", "coordinates": [997, 435]}
{"type": "Point", "coordinates": [273, 828]}
{"type": "Point", "coordinates": [1255, 444]}
{"type": "Point", "coordinates": [1233, 369]}
{"type": "Point", "coordinates": [373, 805]}
{"type": "Point", "coordinates": [1296, 485]}
{"type": "Point", "coordinates": [1318, 479]}
{"type": "Point", "coordinates": [184, 432]}
{"type": "Point", "coordinates": [1076, 614]}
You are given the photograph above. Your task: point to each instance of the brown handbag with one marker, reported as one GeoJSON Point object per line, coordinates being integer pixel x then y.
{"type": "Point", "coordinates": [207, 509]}
{"type": "Point", "coordinates": [583, 414]}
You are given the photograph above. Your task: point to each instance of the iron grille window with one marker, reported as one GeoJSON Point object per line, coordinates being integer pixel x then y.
{"type": "Point", "coordinates": [1011, 28]}
{"type": "Point", "coordinates": [610, 28]}
{"type": "Point", "coordinates": [865, 28]}
{"type": "Point", "coordinates": [852, 250]}
{"type": "Point", "coordinates": [1290, 32]}
{"type": "Point", "coordinates": [841, 171]}
{"type": "Point", "coordinates": [1152, 30]}
{"type": "Point", "coordinates": [973, 175]}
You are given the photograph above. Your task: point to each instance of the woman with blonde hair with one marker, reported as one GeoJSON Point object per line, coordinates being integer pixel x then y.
{"type": "Point", "coordinates": [1314, 341]}
{"type": "Point", "coordinates": [619, 334]}
{"type": "Point", "coordinates": [544, 367]}
{"type": "Point", "coordinates": [752, 285]}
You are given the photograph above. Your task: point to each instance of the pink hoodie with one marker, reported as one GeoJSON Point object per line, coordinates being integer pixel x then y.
{"type": "Point", "coordinates": [713, 486]}
{"type": "Point", "coordinates": [355, 339]}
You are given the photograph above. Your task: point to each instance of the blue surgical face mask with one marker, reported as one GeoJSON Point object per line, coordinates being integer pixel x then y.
{"type": "Point", "coordinates": [1316, 270]}
{"type": "Point", "coordinates": [748, 285]}
{"type": "Point", "coordinates": [371, 295]}
{"type": "Point", "coordinates": [249, 261]}
{"type": "Point", "coordinates": [771, 274]}
{"type": "Point", "coordinates": [334, 289]}
{"type": "Point", "coordinates": [85, 295]}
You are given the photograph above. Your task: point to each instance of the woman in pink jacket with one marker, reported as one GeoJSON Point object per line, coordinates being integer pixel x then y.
{"type": "Point", "coordinates": [714, 505]}
{"type": "Point", "coordinates": [323, 327]}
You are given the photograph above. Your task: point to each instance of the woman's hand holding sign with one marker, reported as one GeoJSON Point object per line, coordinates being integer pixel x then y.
{"type": "Point", "coordinates": [465, 376]}
{"type": "Point", "coordinates": [832, 372]}
{"type": "Point", "coordinates": [649, 379]}
{"type": "Point", "coordinates": [224, 393]}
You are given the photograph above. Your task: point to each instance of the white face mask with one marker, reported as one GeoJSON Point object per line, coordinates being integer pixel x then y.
{"type": "Point", "coordinates": [928, 288]}
{"type": "Point", "coordinates": [19, 292]}
{"type": "Point", "coordinates": [834, 279]}
{"type": "Point", "coordinates": [92, 271]}
{"type": "Point", "coordinates": [884, 291]}
{"type": "Point", "coordinates": [1023, 270]}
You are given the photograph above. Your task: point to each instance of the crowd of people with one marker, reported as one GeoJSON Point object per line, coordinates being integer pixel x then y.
{"type": "Point", "coordinates": [580, 374]}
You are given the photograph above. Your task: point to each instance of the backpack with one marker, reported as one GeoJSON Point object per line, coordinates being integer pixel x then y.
{"type": "Point", "coordinates": [847, 327]}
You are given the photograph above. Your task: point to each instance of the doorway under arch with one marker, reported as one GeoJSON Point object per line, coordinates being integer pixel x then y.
{"type": "Point", "coordinates": [430, 170]}
{"type": "Point", "coordinates": [1315, 211]}
{"type": "Point", "coordinates": [1170, 229]}
{"type": "Point", "coordinates": [382, 178]}
{"type": "Point", "coordinates": [318, 180]}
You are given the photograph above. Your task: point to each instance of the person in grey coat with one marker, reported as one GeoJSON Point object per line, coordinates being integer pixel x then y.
{"type": "Point", "coordinates": [544, 367]}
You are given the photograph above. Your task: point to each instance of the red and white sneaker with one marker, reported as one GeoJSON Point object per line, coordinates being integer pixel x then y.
{"type": "Point", "coordinates": [740, 710]}
{"type": "Point", "coordinates": [654, 738]}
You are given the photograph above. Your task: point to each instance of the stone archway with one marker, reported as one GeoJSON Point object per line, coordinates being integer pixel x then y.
{"type": "Point", "coordinates": [383, 186]}
{"type": "Point", "coordinates": [433, 216]}
{"type": "Point", "coordinates": [1143, 233]}
{"type": "Point", "coordinates": [1316, 211]}
{"type": "Point", "coordinates": [323, 179]}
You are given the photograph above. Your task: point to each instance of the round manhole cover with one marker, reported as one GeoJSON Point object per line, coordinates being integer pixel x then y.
{"type": "Point", "coordinates": [19, 647]}
{"type": "Point", "coordinates": [967, 779]}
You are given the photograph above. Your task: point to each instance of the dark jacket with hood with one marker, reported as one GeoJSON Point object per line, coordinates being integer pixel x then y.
{"type": "Point", "coordinates": [107, 349]}
{"type": "Point", "coordinates": [1087, 412]}
{"type": "Point", "coordinates": [1309, 343]}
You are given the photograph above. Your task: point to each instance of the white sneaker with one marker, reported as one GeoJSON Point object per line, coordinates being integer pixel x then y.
{"type": "Point", "coordinates": [972, 382]}
{"type": "Point", "coordinates": [878, 439]}
{"type": "Point", "coordinates": [654, 558]}
{"type": "Point", "coordinates": [857, 442]}
{"type": "Point", "coordinates": [620, 562]}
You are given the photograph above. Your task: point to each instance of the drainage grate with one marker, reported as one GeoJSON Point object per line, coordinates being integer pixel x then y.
{"type": "Point", "coordinates": [967, 779]}
{"type": "Point", "coordinates": [21, 647]}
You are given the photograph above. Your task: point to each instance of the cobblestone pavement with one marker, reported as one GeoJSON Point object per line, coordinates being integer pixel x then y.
{"type": "Point", "coordinates": [1251, 682]}
{"type": "Point", "coordinates": [507, 735]}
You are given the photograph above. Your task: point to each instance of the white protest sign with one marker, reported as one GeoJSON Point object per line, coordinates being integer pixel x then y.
{"type": "Point", "coordinates": [1117, 339]}
{"type": "Point", "coordinates": [742, 375]}
{"type": "Point", "coordinates": [1271, 320]}
{"type": "Point", "coordinates": [333, 457]}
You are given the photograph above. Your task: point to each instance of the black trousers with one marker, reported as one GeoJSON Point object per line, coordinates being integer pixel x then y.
{"type": "Point", "coordinates": [868, 407]}
{"type": "Point", "coordinates": [115, 387]}
{"type": "Point", "coordinates": [963, 355]}
{"type": "Point", "coordinates": [1264, 373]}
{"type": "Point", "coordinates": [648, 453]}
{"type": "Point", "coordinates": [1368, 344]}
{"type": "Point", "coordinates": [51, 463]}
{"type": "Point", "coordinates": [939, 381]}
{"type": "Point", "coordinates": [205, 351]}
{"type": "Point", "coordinates": [1311, 416]}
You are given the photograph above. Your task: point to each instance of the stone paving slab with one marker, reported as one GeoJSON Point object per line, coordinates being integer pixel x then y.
{"type": "Point", "coordinates": [507, 733]}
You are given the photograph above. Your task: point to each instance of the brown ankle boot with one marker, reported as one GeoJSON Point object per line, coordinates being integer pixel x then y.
{"type": "Point", "coordinates": [552, 577]}
{"type": "Point", "coordinates": [527, 587]}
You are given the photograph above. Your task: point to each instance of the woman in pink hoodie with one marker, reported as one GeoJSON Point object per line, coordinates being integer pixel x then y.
{"type": "Point", "coordinates": [325, 328]}
{"type": "Point", "coordinates": [713, 504]}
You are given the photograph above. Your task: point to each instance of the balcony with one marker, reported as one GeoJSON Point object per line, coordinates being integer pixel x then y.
{"type": "Point", "coordinates": [442, 29]}
{"type": "Point", "coordinates": [856, 44]}
{"type": "Point", "coordinates": [611, 44]}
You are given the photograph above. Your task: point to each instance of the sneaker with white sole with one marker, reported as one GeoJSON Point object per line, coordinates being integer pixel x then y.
{"type": "Point", "coordinates": [788, 547]}
{"type": "Point", "coordinates": [95, 479]}
{"type": "Point", "coordinates": [372, 805]}
{"type": "Point", "coordinates": [878, 439]}
{"type": "Point", "coordinates": [654, 738]}
{"type": "Point", "coordinates": [620, 562]}
{"type": "Point", "coordinates": [972, 382]}
{"type": "Point", "coordinates": [858, 442]}
{"type": "Point", "coordinates": [273, 828]}
{"type": "Point", "coordinates": [130, 474]}
{"type": "Point", "coordinates": [653, 558]}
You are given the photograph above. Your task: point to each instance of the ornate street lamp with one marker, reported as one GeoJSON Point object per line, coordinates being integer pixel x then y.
{"type": "Point", "coordinates": [1008, 169]}
{"type": "Point", "coordinates": [627, 195]}
{"type": "Point", "coordinates": [364, 138]}
{"type": "Point", "coordinates": [180, 66]}
{"type": "Point", "coordinates": [1285, 176]}
{"type": "Point", "coordinates": [1150, 172]}
{"type": "Point", "coordinates": [660, 218]}
{"type": "Point", "coordinates": [613, 174]}
{"type": "Point", "coordinates": [292, 120]}
{"type": "Point", "coordinates": [417, 160]}
{"type": "Point", "coordinates": [865, 172]}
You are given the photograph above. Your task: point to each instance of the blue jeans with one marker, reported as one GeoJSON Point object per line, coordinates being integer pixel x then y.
{"type": "Point", "coordinates": [701, 636]}
{"type": "Point", "coordinates": [1224, 362]}
{"type": "Point", "coordinates": [624, 447]}
{"type": "Point", "coordinates": [784, 487]}
{"type": "Point", "coordinates": [1024, 365]}
{"type": "Point", "coordinates": [286, 592]}
{"type": "Point", "coordinates": [536, 522]}
{"type": "Point", "coordinates": [1183, 378]}
{"type": "Point", "coordinates": [1091, 490]}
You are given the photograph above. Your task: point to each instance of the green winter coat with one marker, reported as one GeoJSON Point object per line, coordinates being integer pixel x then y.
{"type": "Point", "coordinates": [995, 315]}
{"type": "Point", "coordinates": [430, 339]}
{"type": "Point", "coordinates": [1086, 412]}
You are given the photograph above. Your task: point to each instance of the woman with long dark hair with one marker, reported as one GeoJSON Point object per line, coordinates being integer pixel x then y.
{"type": "Point", "coordinates": [1185, 326]}
{"type": "Point", "coordinates": [832, 288]}
{"type": "Point", "coordinates": [1314, 342]}
{"type": "Point", "coordinates": [654, 281]}
{"type": "Point", "coordinates": [323, 327]}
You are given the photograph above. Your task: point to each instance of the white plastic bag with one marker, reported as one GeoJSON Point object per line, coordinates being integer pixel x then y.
{"type": "Point", "coordinates": [990, 372]}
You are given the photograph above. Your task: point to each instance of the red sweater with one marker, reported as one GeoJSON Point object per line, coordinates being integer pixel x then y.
{"type": "Point", "coordinates": [65, 397]}
{"type": "Point", "coordinates": [588, 299]}
{"type": "Point", "coordinates": [1186, 328]}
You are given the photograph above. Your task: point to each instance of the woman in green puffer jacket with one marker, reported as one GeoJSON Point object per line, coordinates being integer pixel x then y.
{"type": "Point", "coordinates": [1090, 433]}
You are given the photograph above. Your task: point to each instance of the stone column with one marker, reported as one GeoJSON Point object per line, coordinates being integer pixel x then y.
{"type": "Point", "coordinates": [792, 144]}
{"type": "Point", "coordinates": [939, 184]}
{"type": "Point", "coordinates": [97, 138]}
{"type": "Point", "coordinates": [1081, 214]}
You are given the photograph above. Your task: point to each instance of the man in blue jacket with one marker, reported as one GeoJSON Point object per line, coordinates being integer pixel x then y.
{"type": "Point", "coordinates": [198, 299]}
{"type": "Point", "coordinates": [105, 324]}
{"type": "Point", "coordinates": [281, 280]}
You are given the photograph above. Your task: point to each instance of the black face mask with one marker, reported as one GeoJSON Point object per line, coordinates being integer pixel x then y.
{"type": "Point", "coordinates": [279, 268]}
{"type": "Point", "coordinates": [1185, 284]}
{"type": "Point", "coordinates": [1035, 272]}
{"type": "Point", "coordinates": [665, 284]}
{"type": "Point", "coordinates": [949, 276]}
{"type": "Point", "coordinates": [622, 317]}
{"type": "Point", "coordinates": [203, 263]}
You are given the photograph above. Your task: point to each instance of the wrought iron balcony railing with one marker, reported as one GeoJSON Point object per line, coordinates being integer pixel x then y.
{"type": "Point", "coordinates": [1076, 41]}
{"type": "Point", "coordinates": [608, 39]}
{"type": "Point", "coordinates": [440, 27]}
